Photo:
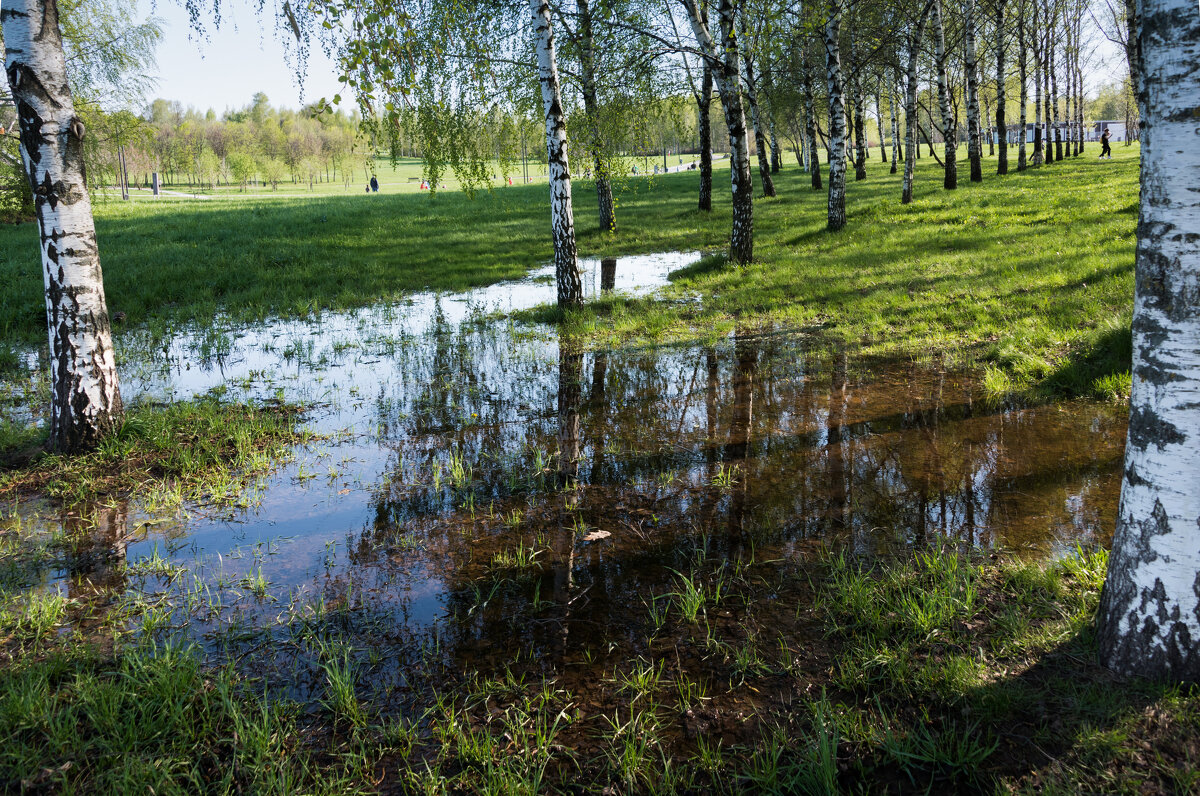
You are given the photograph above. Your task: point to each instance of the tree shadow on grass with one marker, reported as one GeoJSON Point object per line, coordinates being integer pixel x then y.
{"type": "Point", "coordinates": [1062, 724]}
{"type": "Point", "coordinates": [1067, 724]}
{"type": "Point", "coordinates": [1100, 370]}
{"type": "Point", "coordinates": [705, 265]}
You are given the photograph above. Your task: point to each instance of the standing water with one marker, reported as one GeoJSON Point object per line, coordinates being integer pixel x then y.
{"type": "Point", "coordinates": [486, 493]}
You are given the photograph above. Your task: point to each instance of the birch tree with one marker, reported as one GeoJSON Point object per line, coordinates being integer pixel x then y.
{"type": "Point", "coordinates": [1001, 121]}
{"type": "Point", "coordinates": [702, 93]}
{"type": "Point", "coordinates": [911, 121]}
{"type": "Point", "coordinates": [1149, 618]}
{"type": "Point", "coordinates": [751, 94]}
{"type": "Point", "coordinates": [724, 60]}
{"type": "Point", "coordinates": [562, 216]}
{"type": "Point", "coordinates": [860, 133]}
{"type": "Point", "coordinates": [832, 32]}
{"type": "Point", "coordinates": [810, 122]}
{"type": "Point", "coordinates": [591, 106]}
{"type": "Point", "coordinates": [1038, 70]}
{"type": "Point", "coordinates": [85, 394]}
{"type": "Point", "coordinates": [949, 123]}
{"type": "Point", "coordinates": [971, 64]}
{"type": "Point", "coordinates": [1022, 66]}
{"type": "Point", "coordinates": [879, 120]}
{"type": "Point", "coordinates": [444, 65]}
{"type": "Point", "coordinates": [895, 125]}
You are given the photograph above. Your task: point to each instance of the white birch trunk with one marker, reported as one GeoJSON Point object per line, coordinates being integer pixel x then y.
{"type": "Point", "coordinates": [1058, 153]}
{"type": "Point", "coordinates": [860, 133]}
{"type": "Point", "coordinates": [949, 133]}
{"type": "Point", "coordinates": [857, 106]}
{"type": "Point", "coordinates": [895, 127]}
{"type": "Point", "coordinates": [591, 108]}
{"type": "Point", "coordinates": [810, 127]}
{"type": "Point", "coordinates": [1001, 121]}
{"type": "Point", "coordinates": [910, 104]}
{"type": "Point", "coordinates": [562, 218]}
{"type": "Point", "coordinates": [879, 123]}
{"type": "Point", "coordinates": [836, 217]}
{"type": "Point", "coordinates": [760, 136]}
{"type": "Point", "coordinates": [1149, 620]}
{"type": "Point", "coordinates": [726, 70]}
{"type": "Point", "coordinates": [1022, 55]}
{"type": "Point", "coordinates": [769, 116]}
{"type": "Point", "coordinates": [85, 401]}
{"type": "Point", "coordinates": [1079, 91]}
{"type": "Point", "coordinates": [1038, 154]}
{"type": "Point", "coordinates": [974, 128]}
{"type": "Point", "coordinates": [704, 126]}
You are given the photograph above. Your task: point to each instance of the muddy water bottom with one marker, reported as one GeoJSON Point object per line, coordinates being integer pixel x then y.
{"type": "Point", "coordinates": [491, 501]}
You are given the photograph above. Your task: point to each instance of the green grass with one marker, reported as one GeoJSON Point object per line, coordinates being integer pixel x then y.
{"type": "Point", "coordinates": [151, 719]}
{"type": "Point", "coordinates": [403, 176]}
{"type": "Point", "coordinates": [199, 450]}
{"type": "Point", "coordinates": [959, 673]}
{"type": "Point", "coordinates": [1031, 274]}
{"type": "Point", "coordinates": [973, 676]}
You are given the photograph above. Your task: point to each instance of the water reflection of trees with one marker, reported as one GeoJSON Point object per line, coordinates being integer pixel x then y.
{"type": "Point", "coordinates": [899, 454]}
{"type": "Point", "coordinates": [826, 449]}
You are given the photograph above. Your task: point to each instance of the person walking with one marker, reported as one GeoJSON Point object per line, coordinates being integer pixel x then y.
{"type": "Point", "coordinates": [1106, 150]}
{"type": "Point", "coordinates": [374, 184]}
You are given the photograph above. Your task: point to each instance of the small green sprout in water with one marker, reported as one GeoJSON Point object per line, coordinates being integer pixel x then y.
{"type": "Point", "coordinates": [256, 583]}
{"type": "Point", "coordinates": [689, 599]}
{"type": "Point", "coordinates": [460, 473]}
{"type": "Point", "coordinates": [632, 745]}
{"type": "Point", "coordinates": [658, 608]}
{"type": "Point", "coordinates": [691, 693]}
{"type": "Point", "coordinates": [726, 477]}
{"type": "Point", "coordinates": [520, 557]}
{"type": "Point", "coordinates": [692, 595]}
{"type": "Point", "coordinates": [340, 676]}
{"type": "Point", "coordinates": [642, 680]}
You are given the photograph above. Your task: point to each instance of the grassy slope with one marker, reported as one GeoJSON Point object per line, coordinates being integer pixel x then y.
{"type": "Point", "coordinates": [1021, 270]}
{"type": "Point", "coordinates": [1032, 273]}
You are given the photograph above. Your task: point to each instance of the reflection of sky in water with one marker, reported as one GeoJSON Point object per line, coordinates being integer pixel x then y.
{"type": "Point", "coordinates": [821, 448]}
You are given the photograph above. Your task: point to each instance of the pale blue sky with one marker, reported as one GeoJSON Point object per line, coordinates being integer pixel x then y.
{"type": "Point", "coordinates": [242, 57]}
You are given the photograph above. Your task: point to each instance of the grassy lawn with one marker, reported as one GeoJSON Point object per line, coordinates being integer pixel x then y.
{"type": "Point", "coordinates": [403, 176]}
{"type": "Point", "coordinates": [1030, 275]}
{"type": "Point", "coordinates": [937, 671]}
{"type": "Point", "coordinates": [199, 450]}
{"type": "Point", "coordinates": [935, 674]}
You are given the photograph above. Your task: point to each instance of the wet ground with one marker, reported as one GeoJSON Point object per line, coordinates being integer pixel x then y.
{"type": "Point", "coordinates": [488, 498]}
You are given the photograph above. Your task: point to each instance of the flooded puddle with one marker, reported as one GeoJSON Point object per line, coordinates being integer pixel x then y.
{"type": "Point", "coordinates": [484, 492]}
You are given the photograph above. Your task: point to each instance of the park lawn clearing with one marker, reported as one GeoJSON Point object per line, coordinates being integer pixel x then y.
{"type": "Point", "coordinates": [1029, 276]}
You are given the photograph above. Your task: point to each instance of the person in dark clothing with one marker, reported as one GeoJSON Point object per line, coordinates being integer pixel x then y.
{"type": "Point", "coordinates": [1106, 150]}
{"type": "Point", "coordinates": [374, 184]}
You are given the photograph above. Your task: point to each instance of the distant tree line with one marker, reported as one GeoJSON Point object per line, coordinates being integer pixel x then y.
{"type": "Point", "coordinates": [255, 145]}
